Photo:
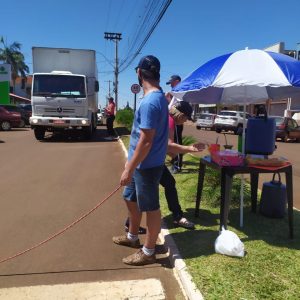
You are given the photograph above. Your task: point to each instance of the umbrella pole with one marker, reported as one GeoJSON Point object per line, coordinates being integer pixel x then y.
{"type": "Point", "coordinates": [242, 175]}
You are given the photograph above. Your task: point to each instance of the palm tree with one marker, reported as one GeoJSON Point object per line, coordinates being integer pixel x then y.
{"type": "Point", "coordinates": [12, 55]}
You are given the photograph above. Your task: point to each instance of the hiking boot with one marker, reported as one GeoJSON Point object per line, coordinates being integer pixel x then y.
{"type": "Point", "coordinates": [139, 258]}
{"type": "Point", "coordinates": [124, 241]}
{"type": "Point", "coordinates": [184, 223]}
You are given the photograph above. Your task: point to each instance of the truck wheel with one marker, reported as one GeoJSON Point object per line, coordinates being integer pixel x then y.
{"type": "Point", "coordinates": [218, 130]}
{"type": "Point", "coordinates": [198, 127]}
{"type": "Point", "coordinates": [88, 132]}
{"type": "Point", "coordinates": [5, 126]}
{"type": "Point", "coordinates": [39, 133]}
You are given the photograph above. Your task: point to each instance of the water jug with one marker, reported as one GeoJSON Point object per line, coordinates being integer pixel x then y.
{"type": "Point", "coordinates": [273, 198]}
{"type": "Point", "coordinates": [260, 134]}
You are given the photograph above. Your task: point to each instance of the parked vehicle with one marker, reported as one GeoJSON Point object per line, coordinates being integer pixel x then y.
{"type": "Point", "coordinates": [206, 120]}
{"type": "Point", "coordinates": [13, 108]}
{"type": "Point", "coordinates": [27, 112]}
{"type": "Point", "coordinates": [99, 117]}
{"type": "Point", "coordinates": [230, 120]}
{"type": "Point", "coordinates": [9, 119]}
{"type": "Point", "coordinates": [64, 91]}
{"type": "Point", "coordinates": [286, 128]}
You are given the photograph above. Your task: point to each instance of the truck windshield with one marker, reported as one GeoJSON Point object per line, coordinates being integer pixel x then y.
{"type": "Point", "coordinates": [59, 86]}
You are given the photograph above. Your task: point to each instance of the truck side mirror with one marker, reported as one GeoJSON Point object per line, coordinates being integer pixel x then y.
{"type": "Point", "coordinates": [96, 86]}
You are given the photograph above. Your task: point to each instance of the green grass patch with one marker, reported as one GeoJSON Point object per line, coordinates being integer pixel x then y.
{"type": "Point", "coordinates": [271, 267]}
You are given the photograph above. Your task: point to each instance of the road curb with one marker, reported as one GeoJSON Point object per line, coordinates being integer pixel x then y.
{"type": "Point", "coordinates": [180, 269]}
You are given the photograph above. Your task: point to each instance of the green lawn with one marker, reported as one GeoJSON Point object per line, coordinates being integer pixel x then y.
{"type": "Point", "coordinates": [271, 267]}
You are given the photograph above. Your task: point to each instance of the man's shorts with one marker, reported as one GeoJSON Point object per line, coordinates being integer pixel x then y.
{"type": "Point", "coordinates": [144, 188]}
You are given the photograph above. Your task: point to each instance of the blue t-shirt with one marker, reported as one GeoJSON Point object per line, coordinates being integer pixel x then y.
{"type": "Point", "coordinates": [152, 113]}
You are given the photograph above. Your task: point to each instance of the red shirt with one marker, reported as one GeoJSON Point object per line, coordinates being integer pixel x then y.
{"type": "Point", "coordinates": [110, 109]}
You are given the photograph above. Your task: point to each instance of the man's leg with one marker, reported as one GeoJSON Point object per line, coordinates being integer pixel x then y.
{"type": "Point", "coordinates": [109, 125]}
{"type": "Point", "coordinates": [169, 184]}
{"type": "Point", "coordinates": [147, 194]}
{"type": "Point", "coordinates": [131, 238]}
{"type": "Point", "coordinates": [153, 225]}
{"type": "Point", "coordinates": [111, 129]}
{"type": "Point", "coordinates": [135, 217]}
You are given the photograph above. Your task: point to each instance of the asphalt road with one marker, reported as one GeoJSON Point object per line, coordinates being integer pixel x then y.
{"type": "Point", "coordinates": [46, 186]}
{"type": "Point", "coordinates": [289, 150]}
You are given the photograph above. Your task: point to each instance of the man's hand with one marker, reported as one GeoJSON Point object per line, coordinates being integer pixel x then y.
{"type": "Point", "coordinates": [125, 178]}
{"type": "Point", "coordinates": [197, 147]}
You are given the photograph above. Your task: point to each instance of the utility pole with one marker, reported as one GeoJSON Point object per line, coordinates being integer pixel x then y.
{"type": "Point", "coordinates": [109, 81]}
{"type": "Point", "coordinates": [116, 37]}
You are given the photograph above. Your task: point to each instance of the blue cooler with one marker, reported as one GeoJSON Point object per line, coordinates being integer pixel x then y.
{"type": "Point", "coordinates": [273, 198]}
{"type": "Point", "coordinates": [260, 135]}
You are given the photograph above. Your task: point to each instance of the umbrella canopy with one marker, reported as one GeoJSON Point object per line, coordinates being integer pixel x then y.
{"type": "Point", "coordinates": [245, 76]}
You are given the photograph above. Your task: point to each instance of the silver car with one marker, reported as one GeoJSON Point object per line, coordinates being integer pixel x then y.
{"type": "Point", "coordinates": [206, 120]}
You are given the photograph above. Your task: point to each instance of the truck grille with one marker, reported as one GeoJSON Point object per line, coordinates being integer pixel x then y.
{"type": "Point", "coordinates": [64, 110]}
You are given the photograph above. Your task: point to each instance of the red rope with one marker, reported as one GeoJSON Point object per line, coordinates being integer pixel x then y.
{"type": "Point", "coordinates": [62, 230]}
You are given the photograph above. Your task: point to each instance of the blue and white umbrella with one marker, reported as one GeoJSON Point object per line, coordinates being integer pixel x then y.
{"type": "Point", "coordinates": [245, 76]}
{"type": "Point", "coordinates": [242, 77]}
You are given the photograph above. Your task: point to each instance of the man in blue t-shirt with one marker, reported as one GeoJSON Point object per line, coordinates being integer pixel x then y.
{"type": "Point", "coordinates": [144, 167]}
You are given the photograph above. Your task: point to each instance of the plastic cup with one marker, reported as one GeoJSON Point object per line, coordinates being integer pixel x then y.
{"type": "Point", "coordinates": [214, 148]}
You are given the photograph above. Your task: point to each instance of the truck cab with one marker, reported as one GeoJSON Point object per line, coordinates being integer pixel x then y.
{"type": "Point", "coordinates": [63, 100]}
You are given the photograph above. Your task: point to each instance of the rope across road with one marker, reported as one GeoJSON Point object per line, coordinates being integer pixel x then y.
{"type": "Point", "coordinates": [62, 230]}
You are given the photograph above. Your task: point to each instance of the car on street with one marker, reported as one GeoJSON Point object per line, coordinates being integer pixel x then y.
{"type": "Point", "coordinates": [206, 120]}
{"type": "Point", "coordinates": [230, 120]}
{"type": "Point", "coordinates": [9, 119]}
{"type": "Point", "coordinates": [23, 113]}
{"type": "Point", "coordinates": [101, 117]}
{"type": "Point", "coordinates": [286, 128]}
{"type": "Point", "coordinates": [26, 112]}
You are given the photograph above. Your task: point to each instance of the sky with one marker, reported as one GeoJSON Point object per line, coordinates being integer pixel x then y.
{"type": "Point", "coordinates": [190, 33]}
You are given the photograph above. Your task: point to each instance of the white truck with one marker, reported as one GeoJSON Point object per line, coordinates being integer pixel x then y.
{"type": "Point", "coordinates": [64, 92]}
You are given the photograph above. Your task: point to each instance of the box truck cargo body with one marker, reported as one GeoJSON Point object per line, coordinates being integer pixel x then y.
{"type": "Point", "coordinates": [64, 91]}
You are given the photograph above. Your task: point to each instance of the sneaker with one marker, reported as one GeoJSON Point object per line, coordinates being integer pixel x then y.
{"type": "Point", "coordinates": [175, 170]}
{"type": "Point", "coordinates": [124, 241]}
{"type": "Point", "coordinates": [184, 223]}
{"type": "Point", "coordinates": [139, 258]}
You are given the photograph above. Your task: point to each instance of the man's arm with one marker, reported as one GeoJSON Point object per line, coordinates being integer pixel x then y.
{"type": "Point", "coordinates": [174, 149]}
{"type": "Point", "coordinates": [141, 151]}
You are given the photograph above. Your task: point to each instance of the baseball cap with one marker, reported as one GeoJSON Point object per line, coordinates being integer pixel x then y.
{"type": "Point", "coordinates": [185, 108]}
{"type": "Point", "coordinates": [149, 63]}
{"type": "Point", "coordinates": [173, 78]}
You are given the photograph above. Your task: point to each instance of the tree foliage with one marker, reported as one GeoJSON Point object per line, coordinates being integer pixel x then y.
{"type": "Point", "coordinates": [11, 54]}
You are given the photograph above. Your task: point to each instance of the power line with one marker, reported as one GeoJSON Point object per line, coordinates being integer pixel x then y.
{"type": "Point", "coordinates": [147, 37]}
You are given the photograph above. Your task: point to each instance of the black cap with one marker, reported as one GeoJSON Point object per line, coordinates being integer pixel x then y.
{"type": "Point", "coordinates": [185, 108]}
{"type": "Point", "coordinates": [173, 78]}
{"type": "Point", "coordinates": [149, 63]}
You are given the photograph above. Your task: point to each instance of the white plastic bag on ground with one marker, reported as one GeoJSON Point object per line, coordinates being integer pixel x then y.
{"type": "Point", "coordinates": [228, 243]}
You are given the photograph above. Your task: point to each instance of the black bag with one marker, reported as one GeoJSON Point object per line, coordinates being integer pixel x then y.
{"type": "Point", "coordinates": [273, 198]}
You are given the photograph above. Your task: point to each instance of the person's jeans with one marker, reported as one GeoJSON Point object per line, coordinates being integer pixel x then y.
{"type": "Point", "coordinates": [110, 125]}
{"type": "Point", "coordinates": [177, 160]}
{"type": "Point", "coordinates": [168, 182]}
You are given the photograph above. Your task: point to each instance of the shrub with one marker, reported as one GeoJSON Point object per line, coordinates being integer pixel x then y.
{"type": "Point", "coordinates": [125, 117]}
{"type": "Point", "coordinates": [188, 140]}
